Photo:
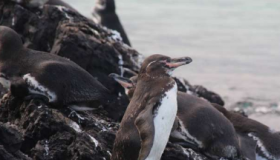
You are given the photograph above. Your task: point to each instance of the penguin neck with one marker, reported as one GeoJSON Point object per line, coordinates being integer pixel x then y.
{"type": "Point", "coordinates": [163, 82]}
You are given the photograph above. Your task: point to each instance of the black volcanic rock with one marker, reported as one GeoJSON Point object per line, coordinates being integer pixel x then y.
{"type": "Point", "coordinates": [33, 130]}
{"type": "Point", "coordinates": [198, 90]}
{"type": "Point", "coordinates": [209, 95]}
{"type": "Point", "coordinates": [3, 90]}
{"type": "Point", "coordinates": [10, 143]}
{"type": "Point", "coordinates": [47, 133]}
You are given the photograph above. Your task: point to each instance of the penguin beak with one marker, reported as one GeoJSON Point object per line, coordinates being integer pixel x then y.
{"type": "Point", "coordinates": [125, 82]}
{"type": "Point", "coordinates": [177, 62]}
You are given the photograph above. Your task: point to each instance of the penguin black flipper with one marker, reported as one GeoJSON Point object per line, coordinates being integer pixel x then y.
{"type": "Point", "coordinates": [145, 126]}
{"type": "Point", "coordinates": [81, 87]}
{"type": "Point", "coordinates": [62, 81]}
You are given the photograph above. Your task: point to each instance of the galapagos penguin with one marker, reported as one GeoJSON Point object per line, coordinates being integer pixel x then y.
{"type": "Point", "coordinates": [145, 128]}
{"type": "Point", "coordinates": [58, 79]}
{"type": "Point", "coordinates": [266, 139]}
{"type": "Point", "coordinates": [104, 13]}
{"type": "Point", "coordinates": [200, 126]}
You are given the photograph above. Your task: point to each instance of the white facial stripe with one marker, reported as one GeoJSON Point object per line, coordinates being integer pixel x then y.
{"type": "Point", "coordinates": [150, 64]}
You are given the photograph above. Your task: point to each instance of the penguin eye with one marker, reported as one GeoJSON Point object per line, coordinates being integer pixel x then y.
{"type": "Point", "coordinates": [163, 63]}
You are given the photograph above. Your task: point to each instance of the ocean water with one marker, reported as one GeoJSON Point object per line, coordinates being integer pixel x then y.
{"type": "Point", "coordinates": [234, 44]}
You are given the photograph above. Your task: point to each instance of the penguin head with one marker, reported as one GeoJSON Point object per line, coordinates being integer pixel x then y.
{"type": "Point", "coordinates": [105, 6]}
{"type": "Point", "coordinates": [160, 65]}
{"type": "Point", "coordinates": [10, 42]}
{"type": "Point", "coordinates": [128, 84]}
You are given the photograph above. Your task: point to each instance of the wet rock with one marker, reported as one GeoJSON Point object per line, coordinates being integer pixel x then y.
{"type": "Point", "coordinates": [209, 95]}
{"type": "Point", "coordinates": [198, 90]}
{"type": "Point", "coordinates": [10, 138]}
{"type": "Point", "coordinates": [10, 143]}
{"type": "Point", "coordinates": [3, 90]}
{"type": "Point", "coordinates": [177, 152]}
{"type": "Point", "coordinates": [40, 132]}
{"type": "Point", "coordinates": [47, 133]}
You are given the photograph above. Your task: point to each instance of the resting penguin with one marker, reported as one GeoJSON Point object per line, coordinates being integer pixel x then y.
{"type": "Point", "coordinates": [104, 13]}
{"type": "Point", "coordinates": [148, 120]}
{"type": "Point", "coordinates": [267, 140]}
{"type": "Point", "coordinates": [199, 125]}
{"type": "Point", "coordinates": [58, 79]}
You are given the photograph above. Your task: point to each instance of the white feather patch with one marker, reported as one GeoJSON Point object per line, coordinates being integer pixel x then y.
{"type": "Point", "coordinates": [189, 136]}
{"type": "Point", "coordinates": [75, 126]}
{"type": "Point", "coordinates": [95, 141]}
{"type": "Point", "coordinates": [35, 88]}
{"type": "Point", "coordinates": [262, 147]}
{"type": "Point", "coordinates": [64, 10]}
{"type": "Point", "coordinates": [81, 108]}
{"type": "Point", "coordinates": [163, 123]}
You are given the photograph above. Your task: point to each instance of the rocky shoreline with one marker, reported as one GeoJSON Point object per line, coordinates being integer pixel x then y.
{"type": "Point", "coordinates": [33, 130]}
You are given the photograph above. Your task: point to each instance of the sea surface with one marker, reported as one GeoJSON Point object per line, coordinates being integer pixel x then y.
{"type": "Point", "coordinates": [234, 44]}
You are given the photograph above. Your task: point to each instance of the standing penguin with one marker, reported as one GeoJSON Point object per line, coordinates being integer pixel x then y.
{"type": "Point", "coordinates": [202, 127]}
{"type": "Point", "coordinates": [104, 13]}
{"type": "Point", "coordinates": [58, 79]}
{"type": "Point", "coordinates": [148, 120]}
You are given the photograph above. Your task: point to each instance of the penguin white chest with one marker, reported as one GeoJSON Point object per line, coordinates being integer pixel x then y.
{"type": "Point", "coordinates": [163, 123]}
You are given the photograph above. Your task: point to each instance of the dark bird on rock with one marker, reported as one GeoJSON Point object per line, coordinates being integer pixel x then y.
{"type": "Point", "coordinates": [148, 120]}
{"type": "Point", "coordinates": [61, 81]}
{"type": "Point", "coordinates": [200, 126]}
{"type": "Point", "coordinates": [104, 13]}
{"type": "Point", "coordinates": [267, 140]}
